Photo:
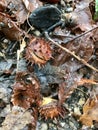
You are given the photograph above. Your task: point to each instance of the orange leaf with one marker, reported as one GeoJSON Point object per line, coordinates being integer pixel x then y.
{"type": "Point", "coordinates": [90, 112]}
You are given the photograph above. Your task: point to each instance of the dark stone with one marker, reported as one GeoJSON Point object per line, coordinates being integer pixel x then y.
{"type": "Point", "coordinates": [44, 17]}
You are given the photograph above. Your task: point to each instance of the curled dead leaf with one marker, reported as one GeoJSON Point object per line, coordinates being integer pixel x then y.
{"type": "Point", "coordinates": [18, 118]}
{"type": "Point", "coordinates": [10, 28]}
{"type": "Point", "coordinates": [3, 5]}
{"type": "Point", "coordinates": [31, 4]}
{"type": "Point", "coordinates": [90, 112]}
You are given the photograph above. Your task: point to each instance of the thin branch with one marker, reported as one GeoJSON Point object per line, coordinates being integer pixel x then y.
{"type": "Point", "coordinates": [81, 35]}
{"type": "Point", "coordinates": [72, 53]}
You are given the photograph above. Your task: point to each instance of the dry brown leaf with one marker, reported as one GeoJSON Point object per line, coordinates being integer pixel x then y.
{"type": "Point", "coordinates": [31, 5]}
{"type": "Point", "coordinates": [61, 93]}
{"type": "Point", "coordinates": [22, 8]}
{"type": "Point", "coordinates": [3, 5]}
{"type": "Point", "coordinates": [17, 119]}
{"type": "Point", "coordinates": [10, 28]}
{"type": "Point", "coordinates": [84, 17]}
{"type": "Point", "coordinates": [82, 47]}
{"type": "Point", "coordinates": [90, 112]}
{"type": "Point", "coordinates": [18, 9]}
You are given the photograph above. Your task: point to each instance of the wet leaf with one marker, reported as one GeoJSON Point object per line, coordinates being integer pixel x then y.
{"type": "Point", "coordinates": [21, 8]}
{"type": "Point", "coordinates": [52, 79]}
{"type": "Point", "coordinates": [10, 28]}
{"type": "Point", "coordinates": [90, 112]}
{"type": "Point", "coordinates": [17, 118]}
{"type": "Point", "coordinates": [31, 5]}
{"type": "Point", "coordinates": [83, 47]}
{"type": "Point", "coordinates": [3, 5]}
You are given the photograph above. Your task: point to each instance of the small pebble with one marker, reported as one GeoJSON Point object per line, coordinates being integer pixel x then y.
{"type": "Point", "coordinates": [81, 101]}
{"type": "Point", "coordinates": [77, 111]}
{"type": "Point", "coordinates": [37, 33]}
{"type": "Point", "coordinates": [70, 9]}
{"type": "Point", "coordinates": [62, 124]}
{"type": "Point", "coordinates": [43, 126]}
{"type": "Point", "coordinates": [5, 40]}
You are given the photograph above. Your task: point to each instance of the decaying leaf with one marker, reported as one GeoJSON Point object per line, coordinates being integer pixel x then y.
{"type": "Point", "coordinates": [61, 93]}
{"type": "Point", "coordinates": [17, 119]}
{"type": "Point", "coordinates": [85, 23]}
{"type": "Point", "coordinates": [61, 75]}
{"type": "Point", "coordinates": [31, 4]}
{"type": "Point", "coordinates": [3, 5]}
{"type": "Point", "coordinates": [90, 112]}
{"type": "Point", "coordinates": [50, 74]}
{"type": "Point", "coordinates": [10, 28]}
{"type": "Point", "coordinates": [6, 65]}
{"type": "Point", "coordinates": [21, 8]}
{"type": "Point", "coordinates": [82, 47]}
{"type": "Point", "coordinates": [65, 90]}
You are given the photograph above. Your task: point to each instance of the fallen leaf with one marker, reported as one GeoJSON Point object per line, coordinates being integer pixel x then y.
{"type": "Point", "coordinates": [31, 5]}
{"type": "Point", "coordinates": [22, 8]}
{"type": "Point", "coordinates": [17, 119]}
{"type": "Point", "coordinates": [10, 28]}
{"type": "Point", "coordinates": [90, 112]}
{"type": "Point", "coordinates": [82, 47]}
{"type": "Point", "coordinates": [3, 5]}
{"type": "Point", "coordinates": [61, 93]}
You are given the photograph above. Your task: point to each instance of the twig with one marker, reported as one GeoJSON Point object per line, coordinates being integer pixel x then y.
{"type": "Point", "coordinates": [29, 22]}
{"type": "Point", "coordinates": [72, 53]}
{"type": "Point", "coordinates": [81, 35]}
{"type": "Point", "coordinates": [82, 91]}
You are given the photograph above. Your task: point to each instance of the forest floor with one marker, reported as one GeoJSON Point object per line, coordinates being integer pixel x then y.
{"type": "Point", "coordinates": [48, 82]}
